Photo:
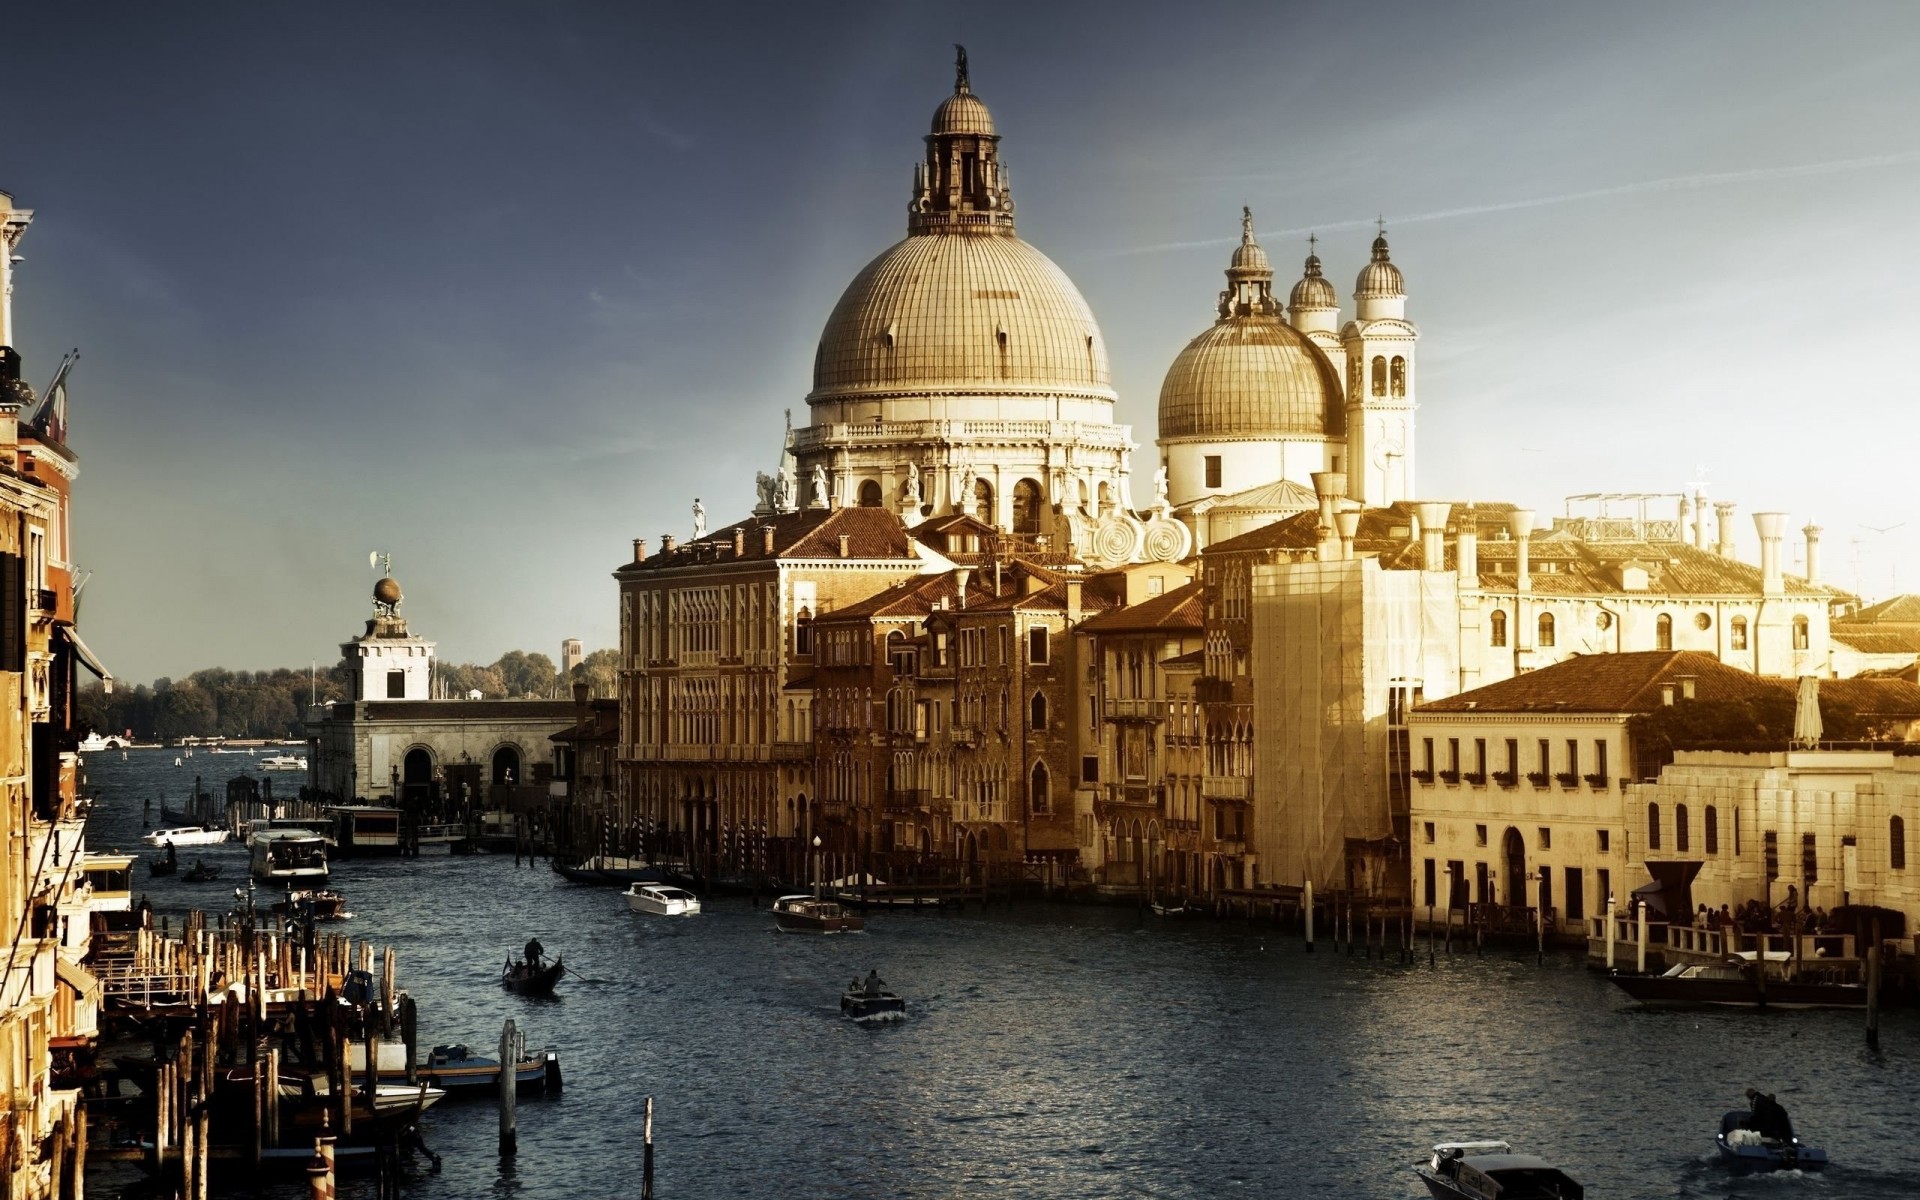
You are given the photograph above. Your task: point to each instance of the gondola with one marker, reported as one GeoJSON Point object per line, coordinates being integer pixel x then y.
{"type": "Point", "coordinates": [162, 865]}
{"type": "Point", "coordinates": [202, 871]}
{"type": "Point", "coordinates": [532, 979]}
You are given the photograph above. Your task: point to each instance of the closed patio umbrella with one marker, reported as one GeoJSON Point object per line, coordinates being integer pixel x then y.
{"type": "Point", "coordinates": [1806, 713]}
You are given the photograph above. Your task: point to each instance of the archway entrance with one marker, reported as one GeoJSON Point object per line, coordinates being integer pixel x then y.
{"type": "Point", "coordinates": [416, 775]}
{"type": "Point", "coordinates": [1515, 849]}
{"type": "Point", "coordinates": [1027, 502]}
{"type": "Point", "coordinates": [506, 765]}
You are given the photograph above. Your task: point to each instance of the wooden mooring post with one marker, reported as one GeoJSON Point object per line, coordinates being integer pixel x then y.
{"type": "Point", "coordinates": [1873, 987]}
{"type": "Point", "coordinates": [509, 1069]}
{"type": "Point", "coordinates": [646, 1156]}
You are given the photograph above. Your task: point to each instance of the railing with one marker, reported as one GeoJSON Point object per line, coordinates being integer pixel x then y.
{"type": "Point", "coordinates": [1136, 710]}
{"type": "Point", "coordinates": [813, 437]}
{"type": "Point", "coordinates": [906, 800]}
{"type": "Point", "coordinates": [48, 599]}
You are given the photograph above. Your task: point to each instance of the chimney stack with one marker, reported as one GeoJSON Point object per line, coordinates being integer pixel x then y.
{"type": "Point", "coordinates": [639, 549]}
{"type": "Point", "coordinates": [766, 540]}
{"type": "Point", "coordinates": [1348, 524]}
{"type": "Point", "coordinates": [740, 542]}
{"type": "Point", "coordinates": [1813, 532]}
{"type": "Point", "coordinates": [846, 546]}
{"type": "Point", "coordinates": [1520, 525]}
{"type": "Point", "coordinates": [1723, 510]}
{"type": "Point", "coordinates": [666, 543]}
{"type": "Point", "coordinates": [1433, 534]}
{"type": "Point", "coordinates": [1329, 487]}
{"type": "Point", "coordinates": [1074, 599]}
{"type": "Point", "coordinates": [1773, 531]}
{"type": "Point", "coordinates": [1466, 551]}
{"type": "Point", "coordinates": [1699, 520]}
{"type": "Point", "coordinates": [960, 577]}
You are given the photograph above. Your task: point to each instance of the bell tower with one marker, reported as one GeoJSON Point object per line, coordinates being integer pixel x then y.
{"type": "Point", "coordinates": [1379, 344]}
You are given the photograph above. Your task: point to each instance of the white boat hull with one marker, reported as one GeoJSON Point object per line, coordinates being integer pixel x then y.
{"type": "Point", "coordinates": [192, 836]}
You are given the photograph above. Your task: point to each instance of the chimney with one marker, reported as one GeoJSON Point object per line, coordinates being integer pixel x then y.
{"type": "Point", "coordinates": [1689, 685]}
{"type": "Point", "coordinates": [639, 549]}
{"type": "Point", "coordinates": [1074, 584]}
{"type": "Point", "coordinates": [766, 540]}
{"type": "Point", "coordinates": [1329, 486]}
{"type": "Point", "coordinates": [666, 543]}
{"type": "Point", "coordinates": [1723, 510]}
{"type": "Point", "coordinates": [740, 542]}
{"type": "Point", "coordinates": [961, 576]}
{"type": "Point", "coordinates": [582, 695]}
{"type": "Point", "coordinates": [1813, 532]}
{"type": "Point", "coordinates": [1699, 520]}
{"type": "Point", "coordinates": [1773, 530]}
{"type": "Point", "coordinates": [846, 550]}
{"type": "Point", "coordinates": [1466, 551]}
{"type": "Point", "coordinates": [1666, 694]}
{"type": "Point", "coordinates": [1520, 525]}
{"type": "Point", "coordinates": [1348, 525]}
{"type": "Point", "coordinates": [1433, 534]}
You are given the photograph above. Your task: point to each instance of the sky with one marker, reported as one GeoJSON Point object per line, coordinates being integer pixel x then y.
{"type": "Point", "coordinates": [496, 288]}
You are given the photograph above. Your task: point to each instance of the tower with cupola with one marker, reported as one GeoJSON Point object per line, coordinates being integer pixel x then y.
{"type": "Point", "coordinates": [1380, 382]}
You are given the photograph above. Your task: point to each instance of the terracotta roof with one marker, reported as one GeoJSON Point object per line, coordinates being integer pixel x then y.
{"type": "Point", "coordinates": [909, 600]}
{"type": "Point", "coordinates": [1184, 609]}
{"type": "Point", "coordinates": [602, 724]}
{"type": "Point", "coordinates": [1899, 609]}
{"type": "Point", "coordinates": [1609, 683]}
{"type": "Point", "coordinates": [1196, 659]}
{"type": "Point", "coordinates": [1872, 697]}
{"type": "Point", "coordinates": [810, 533]}
{"type": "Point", "coordinates": [1876, 639]}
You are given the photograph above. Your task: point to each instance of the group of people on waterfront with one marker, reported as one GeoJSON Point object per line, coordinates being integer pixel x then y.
{"type": "Point", "coordinates": [1755, 917]}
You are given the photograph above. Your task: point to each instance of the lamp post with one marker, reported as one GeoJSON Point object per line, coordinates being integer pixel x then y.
{"type": "Point", "coordinates": [1611, 921]}
{"type": "Point", "coordinates": [816, 866]}
{"type": "Point", "coordinates": [1448, 872]}
{"type": "Point", "coordinates": [1540, 915]}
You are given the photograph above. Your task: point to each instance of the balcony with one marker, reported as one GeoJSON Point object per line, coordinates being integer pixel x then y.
{"type": "Point", "coordinates": [1135, 710]}
{"type": "Point", "coordinates": [1235, 788]}
{"type": "Point", "coordinates": [47, 599]}
{"type": "Point", "coordinates": [907, 800]}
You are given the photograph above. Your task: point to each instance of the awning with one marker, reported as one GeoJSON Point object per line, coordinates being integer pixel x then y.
{"type": "Point", "coordinates": [87, 657]}
{"type": "Point", "coordinates": [84, 982]}
{"type": "Point", "coordinates": [1671, 891]}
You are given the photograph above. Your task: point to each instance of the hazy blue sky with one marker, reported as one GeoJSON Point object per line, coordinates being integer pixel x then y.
{"type": "Point", "coordinates": [499, 287]}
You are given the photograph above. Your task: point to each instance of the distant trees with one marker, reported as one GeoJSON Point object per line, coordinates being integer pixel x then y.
{"type": "Point", "coordinates": [600, 671]}
{"type": "Point", "coordinates": [238, 704]}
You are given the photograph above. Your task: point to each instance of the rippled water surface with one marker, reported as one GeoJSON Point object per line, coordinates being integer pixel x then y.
{"type": "Point", "coordinates": [1059, 1051]}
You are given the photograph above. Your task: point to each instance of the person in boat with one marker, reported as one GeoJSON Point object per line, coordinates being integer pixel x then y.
{"type": "Point", "coordinates": [535, 952]}
{"type": "Point", "coordinates": [173, 856]}
{"type": "Point", "coordinates": [1767, 1117]}
{"type": "Point", "coordinates": [873, 986]}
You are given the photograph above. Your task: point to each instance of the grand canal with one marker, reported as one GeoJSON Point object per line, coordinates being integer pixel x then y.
{"type": "Point", "coordinates": [1057, 1051]}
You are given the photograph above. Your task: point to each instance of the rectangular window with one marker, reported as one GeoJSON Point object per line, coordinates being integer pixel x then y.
{"type": "Point", "coordinates": [1513, 756]}
{"type": "Point", "coordinates": [1429, 826]}
{"type": "Point", "coordinates": [1546, 757]}
{"type": "Point", "coordinates": [1457, 895]}
{"type": "Point", "coordinates": [1429, 883]}
{"type": "Point", "coordinates": [1576, 895]}
{"type": "Point", "coordinates": [1606, 841]}
{"type": "Point", "coordinates": [1546, 838]}
{"type": "Point", "coordinates": [1006, 644]}
{"type": "Point", "coordinates": [1037, 645]}
{"type": "Point", "coordinates": [1573, 756]}
{"type": "Point", "coordinates": [1426, 744]}
{"type": "Point", "coordinates": [1770, 842]}
{"type": "Point", "coordinates": [1089, 768]}
{"type": "Point", "coordinates": [1600, 762]}
{"type": "Point", "coordinates": [1480, 757]}
{"type": "Point", "coordinates": [1213, 470]}
{"type": "Point", "coordinates": [1481, 882]}
{"type": "Point", "coordinates": [396, 685]}
{"type": "Point", "coordinates": [1479, 835]}
{"type": "Point", "coordinates": [13, 613]}
{"type": "Point", "coordinates": [1809, 863]}
{"type": "Point", "coordinates": [1453, 755]}
{"type": "Point", "coordinates": [1603, 888]}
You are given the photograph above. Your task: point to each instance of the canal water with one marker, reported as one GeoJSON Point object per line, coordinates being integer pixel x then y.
{"type": "Point", "coordinates": [1057, 1051]}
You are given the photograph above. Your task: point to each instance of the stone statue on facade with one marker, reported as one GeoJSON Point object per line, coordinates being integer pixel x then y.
{"type": "Point", "coordinates": [913, 484]}
{"type": "Point", "coordinates": [963, 485]}
{"type": "Point", "coordinates": [1160, 486]}
{"type": "Point", "coordinates": [767, 488]}
{"type": "Point", "coordinates": [819, 486]}
{"type": "Point", "coordinates": [789, 492]}
{"type": "Point", "coordinates": [699, 518]}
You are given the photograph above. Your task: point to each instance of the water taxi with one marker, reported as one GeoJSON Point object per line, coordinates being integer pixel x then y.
{"type": "Point", "coordinates": [289, 856]}
{"type": "Point", "coordinates": [186, 835]}
{"type": "Point", "coordinates": [662, 900]}
{"type": "Point", "coordinates": [284, 762]}
{"type": "Point", "coordinates": [806, 914]}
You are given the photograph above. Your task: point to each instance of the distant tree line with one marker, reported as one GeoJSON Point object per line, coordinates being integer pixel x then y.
{"type": "Point", "coordinates": [217, 702]}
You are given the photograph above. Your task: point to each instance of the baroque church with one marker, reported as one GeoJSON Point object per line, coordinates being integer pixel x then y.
{"type": "Point", "coordinates": [962, 372]}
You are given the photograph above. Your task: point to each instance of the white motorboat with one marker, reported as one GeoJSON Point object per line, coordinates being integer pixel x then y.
{"type": "Point", "coordinates": [186, 835]}
{"type": "Point", "coordinates": [284, 762]}
{"type": "Point", "coordinates": [94, 743]}
{"type": "Point", "coordinates": [288, 856]}
{"type": "Point", "coordinates": [662, 900]}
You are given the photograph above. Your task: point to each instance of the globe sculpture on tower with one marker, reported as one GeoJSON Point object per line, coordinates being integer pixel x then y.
{"type": "Point", "coordinates": [387, 596]}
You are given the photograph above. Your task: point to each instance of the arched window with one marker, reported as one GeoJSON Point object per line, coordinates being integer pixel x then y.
{"type": "Point", "coordinates": [1497, 627]}
{"type": "Point", "coordinates": [870, 494]}
{"type": "Point", "coordinates": [1379, 375]}
{"type": "Point", "coordinates": [803, 633]}
{"type": "Point", "coordinates": [1039, 793]}
{"type": "Point", "coordinates": [1037, 711]}
{"type": "Point", "coordinates": [1800, 638]}
{"type": "Point", "coordinates": [1653, 826]}
{"type": "Point", "coordinates": [1399, 376]}
{"type": "Point", "coordinates": [1737, 633]}
{"type": "Point", "coordinates": [1026, 506]}
{"type": "Point", "coordinates": [1713, 829]}
{"type": "Point", "coordinates": [1896, 843]}
{"type": "Point", "coordinates": [1680, 830]}
{"type": "Point", "coordinates": [983, 501]}
{"type": "Point", "coordinates": [1546, 629]}
{"type": "Point", "coordinates": [1663, 632]}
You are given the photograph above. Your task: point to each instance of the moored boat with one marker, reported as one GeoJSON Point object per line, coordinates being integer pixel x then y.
{"type": "Point", "coordinates": [186, 835]}
{"type": "Point", "coordinates": [456, 1070]}
{"type": "Point", "coordinates": [289, 856]}
{"type": "Point", "coordinates": [321, 904]}
{"type": "Point", "coordinates": [1760, 1137]}
{"type": "Point", "coordinates": [1737, 983]}
{"type": "Point", "coordinates": [806, 914]}
{"type": "Point", "coordinates": [1492, 1171]}
{"type": "Point", "coordinates": [662, 900]}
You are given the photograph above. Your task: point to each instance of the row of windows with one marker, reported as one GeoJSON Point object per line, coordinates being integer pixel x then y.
{"type": "Point", "coordinates": [1487, 885]}
{"type": "Point", "coordinates": [1454, 772]}
{"type": "Point", "coordinates": [1546, 630]}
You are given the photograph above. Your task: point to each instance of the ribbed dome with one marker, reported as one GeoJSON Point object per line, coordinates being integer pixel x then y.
{"type": "Point", "coordinates": [963, 112]}
{"type": "Point", "coordinates": [1313, 290]}
{"type": "Point", "coordinates": [963, 313]}
{"type": "Point", "coordinates": [1248, 256]}
{"type": "Point", "coordinates": [1380, 277]}
{"type": "Point", "coordinates": [1251, 376]}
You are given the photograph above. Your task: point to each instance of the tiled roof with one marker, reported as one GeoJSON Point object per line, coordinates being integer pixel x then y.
{"type": "Point", "coordinates": [602, 724]}
{"type": "Point", "coordinates": [1282, 495]}
{"type": "Point", "coordinates": [1609, 683]}
{"type": "Point", "coordinates": [1876, 639]}
{"type": "Point", "coordinates": [1184, 608]}
{"type": "Point", "coordinates": [1900, 609]}
{"type": "Point", "coordinates": [1874, 697]}
{"type": "Point", "coordinates": [810, 533]}
{"type": "Point", "coordinates": [1196, 659]}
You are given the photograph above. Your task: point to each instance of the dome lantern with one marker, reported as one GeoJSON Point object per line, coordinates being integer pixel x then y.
{"type": "Point", "coordinates": [1380, 291]}
{"type": "Point", "coordinates": [1249, 277]}
{"type": "Point", "coordinates": [960, 187]}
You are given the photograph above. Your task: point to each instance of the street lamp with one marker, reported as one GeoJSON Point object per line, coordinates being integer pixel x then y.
{"type": "Point", "coordinates": [1540, 916]}
{"type": "Point", "coordinates": [816, 866]}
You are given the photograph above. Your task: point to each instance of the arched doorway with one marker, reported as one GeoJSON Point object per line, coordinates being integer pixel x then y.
{"type": "Point", "coordinates": [416, 775]}
{"type": "Point", "coordinates": [1027, 501]}
{"type": "Point", "coordinates": [870, 494]}
{"type": "Point", "coordinates": [506, 765]}
{"type": "Point", "coordinates": [983, 502]}
{"type": "Point", "coordinates": [1515, 848]}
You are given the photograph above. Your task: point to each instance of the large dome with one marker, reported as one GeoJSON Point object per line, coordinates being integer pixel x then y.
{"type": "Point", "coordinates": [949, 312]}
{"type": "Point", "coordinates": [1251, 377]}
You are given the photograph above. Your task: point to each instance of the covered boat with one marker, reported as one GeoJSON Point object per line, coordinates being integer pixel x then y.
{"type": "Point", "coordinates": [807, 914]}
{"type": "Point", "coordinates": [290, 856]}
{"type": "Point", "coordinates": [662, 900]}
{"type": "Point", "coordinates": [1760, 1137]}
{"type": "Point", "coordinates": [319, 904]}
{"type": "Point", "coordinates": [1492, 1171]}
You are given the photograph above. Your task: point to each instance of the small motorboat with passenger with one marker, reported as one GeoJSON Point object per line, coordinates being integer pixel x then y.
{"type": "Point", "coordinates": [806, 914]}
{"type": "Point", "coordinates": [1492, 1171]}
{"type": "Point", "coordinates": [869, 1000]}
{"type": "Point", "coordinates": [662, 900]}
{"type": "Point", "coordinates": [202, 871]}
{"type": "Point", "coordinates": [1760, 1137]}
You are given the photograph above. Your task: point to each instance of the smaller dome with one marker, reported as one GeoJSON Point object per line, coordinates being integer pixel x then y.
{"type": "Point", "coordinates": [1248, 256]}
{"type": "Point", "coordinates": [963, 113]}
{"type": "Point", "coordinates": [1313, 290]}
{"type": "Point", "coordinates": [1380, 277]}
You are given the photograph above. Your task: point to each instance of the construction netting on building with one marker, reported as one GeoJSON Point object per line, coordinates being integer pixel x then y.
{"type": "Point", "coordinates": [1333, 641]}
